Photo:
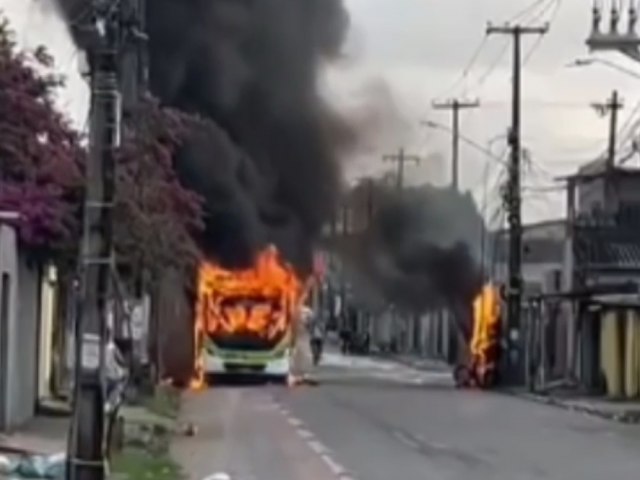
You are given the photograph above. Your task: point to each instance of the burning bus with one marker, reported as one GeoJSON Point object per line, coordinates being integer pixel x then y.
{"type": "Point", "coordinates": [245, 319]}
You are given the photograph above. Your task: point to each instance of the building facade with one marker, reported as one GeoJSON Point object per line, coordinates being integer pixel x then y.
{"type": "Point", "coordinates": [19, 332]}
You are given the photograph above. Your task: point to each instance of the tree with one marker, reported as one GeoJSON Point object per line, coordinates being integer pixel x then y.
{"type": "Point", "coordinates": [40, 153]}
{"type": "Point", "coordinates": [42, 172]}
{"type": "Point", "coordinates": [155, 217]}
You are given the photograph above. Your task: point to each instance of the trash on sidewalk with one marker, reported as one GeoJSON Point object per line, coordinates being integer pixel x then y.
{"type": "Point", "coordinates": [33, 466]}
{"type": "Point", "coordinates": [188, 430]}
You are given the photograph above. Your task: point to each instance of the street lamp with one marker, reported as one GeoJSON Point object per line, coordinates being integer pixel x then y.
{"type": "Point", "coordinates": [586, 62]}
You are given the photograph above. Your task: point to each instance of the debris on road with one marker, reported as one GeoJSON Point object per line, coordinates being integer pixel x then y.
{"type": "Point", "coordinates": [33, 466]}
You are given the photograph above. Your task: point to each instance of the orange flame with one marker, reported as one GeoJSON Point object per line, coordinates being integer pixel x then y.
{"type": "Point", "coordinates": [486, 332]}
{"type": "Point", "coordinates": [257, 302]}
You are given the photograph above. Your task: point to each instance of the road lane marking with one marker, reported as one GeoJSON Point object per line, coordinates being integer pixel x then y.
{"type": "Point", "coordinates": [315, 445]}
{"type": "Point", "coordinates": [334, 466]}
{"type": "Point", "coordinates": [293, 421]}
{"type": "Point", "coordinates": [406, 439]}
{"type": "Point", "coordinates": [219, 476]}
{"type": "Point", "coordinates": [305, 434]}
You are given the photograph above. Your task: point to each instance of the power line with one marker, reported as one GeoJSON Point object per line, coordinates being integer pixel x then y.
{"type": "Point", "coordinates": [518, 16]}
{"type": "Point", "coordinates": [538, 42]}
{"type": "Point", "coordinates": [536, 103]}
{"type": "Point", "coordinates": [627, 129]}
{"type": "Point", "coordinates": [494, 64]}
{"type": "Point", "coordinates": [467, 69]}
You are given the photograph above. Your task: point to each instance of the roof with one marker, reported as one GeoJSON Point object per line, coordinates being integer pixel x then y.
{"type": "Point", "coordinates": [545, 229]}
{"type": "Point", "coordinates": [598, 168]}
{"type": "Point", "coordinates": [536, 250]}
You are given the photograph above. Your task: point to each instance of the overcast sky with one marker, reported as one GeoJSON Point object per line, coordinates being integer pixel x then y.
{"type": "Point", "coordinates": [405, 53]}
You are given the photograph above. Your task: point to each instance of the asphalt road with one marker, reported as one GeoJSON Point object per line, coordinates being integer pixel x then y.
{"type": "Point", "coordinates": [372, 420]}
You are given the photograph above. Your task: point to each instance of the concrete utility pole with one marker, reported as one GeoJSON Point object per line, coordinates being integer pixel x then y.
{"type": "Point", "coordinates": [113, 25]}
{"type": "Point", "coordinates": [86, 449]}
{"type": "Point", "coordinates": [370, 202]}
{"type": "Point", "coordinates": [514, 197]}
{"type": "Point", "coordinates": [401, 158]}
{"type": "Point", "coordinates": [455, 105]}
{"type": "Point", "coordinates": [134, 72]}
{"type": "Point", "coordinates": [612, 106]}
{"type": "Point", "coordinates": [627, 42]}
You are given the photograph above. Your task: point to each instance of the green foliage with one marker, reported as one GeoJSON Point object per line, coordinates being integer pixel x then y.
{"type": "Point", "coordinates": [156, 216]}
{"type": "Point", "coordinates": [42, 172]}
{"type": "Point", "coordinates": [137, 464]}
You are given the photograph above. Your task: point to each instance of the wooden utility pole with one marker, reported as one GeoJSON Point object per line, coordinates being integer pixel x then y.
{"type": "Point", "coordinates": [514, 197]}
{"type": "Point", "coordinates": [401, 158]}
{"type": "Point", "coordinates": [455, 105]}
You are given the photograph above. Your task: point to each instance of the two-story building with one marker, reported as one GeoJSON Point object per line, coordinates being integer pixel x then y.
{"type": "Point", "coordinates": [603, 252]}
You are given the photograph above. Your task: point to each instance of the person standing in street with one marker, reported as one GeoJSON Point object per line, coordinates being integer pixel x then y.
{"type": "Point", "coordinates": [317, 333]}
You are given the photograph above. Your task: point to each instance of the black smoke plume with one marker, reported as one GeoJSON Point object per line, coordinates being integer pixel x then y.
{"type": "Point", "coordinates": [266, 163]}
{"type": "Point", "coordinates": [419, 248]}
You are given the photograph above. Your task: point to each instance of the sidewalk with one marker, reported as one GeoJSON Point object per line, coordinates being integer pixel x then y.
{"type": "Point", "coordinates": [42, 434]}
{"type": "Point", "coordinates": [619, 411]}
{"type": "Point", "coordinates": [419, 363]}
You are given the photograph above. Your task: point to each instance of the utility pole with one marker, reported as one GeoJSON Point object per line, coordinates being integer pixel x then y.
{"type": "Point", "coordinates": [87, 448]}
{"type": "Point", "coordinates": [343, 284]}
{"type": "Point", "coordinates": [370, 202]}
{"type": "Point", "coordinates": [455, 105]}
{"type": "Point", "coordinates": [113, 26]}
{"type": "Point", "coordinates": [514, 197]}
{"type": "Point", "coordinates": [626, 42]}
{"type": "Point", "coordinates": [611, 106]}
{"type": "Point", "coordinates": [401, 158]}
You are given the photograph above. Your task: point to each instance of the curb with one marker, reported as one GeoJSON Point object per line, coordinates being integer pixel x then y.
{"type": "Point", "coordinates": [440, 367]}
{"type": "Point", "coordinates": [629, 417]}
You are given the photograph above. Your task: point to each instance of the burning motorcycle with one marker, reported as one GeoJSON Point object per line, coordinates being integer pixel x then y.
{"type": "Point", "coordinates": [484, 345]}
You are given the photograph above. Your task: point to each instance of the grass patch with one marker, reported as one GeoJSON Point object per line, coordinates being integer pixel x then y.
{"type": "Point", "coordinates": [165, 402]}
{"type": "Point", "coordinates": [137, 464]}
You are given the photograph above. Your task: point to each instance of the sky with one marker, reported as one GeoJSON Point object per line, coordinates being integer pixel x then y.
{"type": "Point", "coordinates": [401, 55]}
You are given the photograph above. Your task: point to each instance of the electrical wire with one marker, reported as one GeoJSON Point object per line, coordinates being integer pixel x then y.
{"type": "Point", "coordinates": [536, 103]}
{"type": "Point", "coordinates": [494, 64]}
{"type": "Point", "coordinates": [478, 50]}
{"type": "Point", "coordinates": [526, 10]}
{"type": "Point", "coordinates": [467, 69]}
{"type": "Point", "coordinates": [555, 4]}
{"type": "Point", "coordinates": [630, 128]}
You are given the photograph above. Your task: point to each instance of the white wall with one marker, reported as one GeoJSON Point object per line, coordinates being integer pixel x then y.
{"type": "Point", "coordinates": [19, 347]}
{"type": "Point", "coordinates": [9, 267]}
{"type": "Point", "coordinates": [24, 346]}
